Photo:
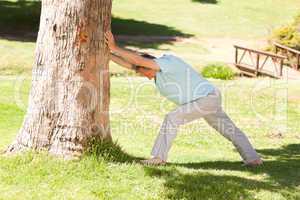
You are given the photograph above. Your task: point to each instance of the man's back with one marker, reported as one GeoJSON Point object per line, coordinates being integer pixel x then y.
{"type": "Point", "coordinates": [179, 82]}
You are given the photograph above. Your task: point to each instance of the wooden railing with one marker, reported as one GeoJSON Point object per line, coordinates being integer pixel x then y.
{"type": "Point", "coordinates": [287, 51]}
{"type": "Point", "coordinates": [259, 60]}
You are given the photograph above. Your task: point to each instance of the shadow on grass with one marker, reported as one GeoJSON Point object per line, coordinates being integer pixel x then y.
{"type": "Point", "coordinates": [280, 174]}
{"type": "Point", "coordinates": [181, 185]}
{"type": "Point", "coordinates": [206, 1]}
{"type": "Point", "coordinates": [281, 167]}
{"type": "Point", "coordinates": [201, 185]}
{"type": "Point", "coordinates": [132, 27]}
{"type": "Point", "coordinates": [110, 152]}
{"type": "Point", "coordinates": [144, 34]}
{"type": "Point", "coordinates": [20, 22]}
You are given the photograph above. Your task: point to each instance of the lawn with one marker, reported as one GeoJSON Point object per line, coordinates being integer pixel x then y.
{"type": "Point", "coordinates": [203, 165]}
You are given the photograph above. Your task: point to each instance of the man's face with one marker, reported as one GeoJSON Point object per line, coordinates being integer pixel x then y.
{"type": "Point", "coordinates": [150, 74]}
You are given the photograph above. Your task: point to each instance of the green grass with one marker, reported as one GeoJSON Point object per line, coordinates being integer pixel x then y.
{"type": "Point", "coordinates": [226, 18]}
{"type": "Point", "coordinates": [203, 164]}
{"type": "Point", "coordinates": [16, 57]}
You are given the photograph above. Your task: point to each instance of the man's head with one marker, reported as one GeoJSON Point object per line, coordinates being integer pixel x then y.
{"type": "Point", "coordinates": [149, 73]}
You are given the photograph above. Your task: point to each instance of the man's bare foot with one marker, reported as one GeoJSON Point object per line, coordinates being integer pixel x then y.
{"type": "Point", "coordinates": [154, 162]}
{"type": "Point", "coordinates": [254, 163]}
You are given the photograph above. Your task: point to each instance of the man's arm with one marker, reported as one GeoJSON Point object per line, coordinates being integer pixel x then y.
{"type": "Point", "coordinates": [122, 62]}
{"type": "Point", "coordinates": [136, 59]}
{"type": "Point", "coordinates": [131, 57]}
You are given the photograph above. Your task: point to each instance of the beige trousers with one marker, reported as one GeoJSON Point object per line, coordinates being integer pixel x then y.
{"type": "Point", "coordinates": [209, 108]}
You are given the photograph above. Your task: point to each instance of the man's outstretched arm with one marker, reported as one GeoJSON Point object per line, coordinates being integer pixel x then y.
{"type": "Point", "coordinates": [122, 62]}
{"type": "Point", "coordinates": [131, 57]}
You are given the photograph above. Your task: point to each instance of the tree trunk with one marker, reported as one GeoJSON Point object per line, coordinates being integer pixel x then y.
{"type": "Point", "coordinates": [69, 98]}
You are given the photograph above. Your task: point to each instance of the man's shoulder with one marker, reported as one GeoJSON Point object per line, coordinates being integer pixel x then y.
{"type": "Point", "coordinates": [172, 63]}
{"type": "Point", "coordinates": [170, 58]}
{"type": "Point", "coordinates": [165, 60]}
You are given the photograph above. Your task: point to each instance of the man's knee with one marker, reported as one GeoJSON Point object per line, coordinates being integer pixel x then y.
{"type": "Point", "coordinates": [173, 118]}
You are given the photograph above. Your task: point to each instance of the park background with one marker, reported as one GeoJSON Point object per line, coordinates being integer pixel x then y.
{"type": "Point", "coordinates": [203, 165]}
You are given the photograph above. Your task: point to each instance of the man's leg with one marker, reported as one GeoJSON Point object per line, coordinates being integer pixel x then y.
{"type": "Point", "coordinates": [224, 125]}
{"type": "Point", "coordinates": [182, 115]}
{"type": "Point", "coordinates": [167, 134]}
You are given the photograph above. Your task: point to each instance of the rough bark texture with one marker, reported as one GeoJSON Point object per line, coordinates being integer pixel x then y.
{"type": "Point", "coordinates": [69, 98]}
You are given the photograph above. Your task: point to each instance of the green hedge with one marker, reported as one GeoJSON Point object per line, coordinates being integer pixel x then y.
{"type": "Point", "coordinates": [288, 35]}
{"type": "Point", "coordinates": [218, 71]}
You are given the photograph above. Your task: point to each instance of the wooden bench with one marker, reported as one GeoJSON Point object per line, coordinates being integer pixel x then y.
{"type": "Point", "coordinates": [258, 59]}
{"type": "Point", "coordinates": [288, 51]}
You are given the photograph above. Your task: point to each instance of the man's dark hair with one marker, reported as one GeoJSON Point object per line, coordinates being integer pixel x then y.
{"type": "Point", "coordinates": [137, 68]}
{"type": "Point", "coordinates": [145, 55]}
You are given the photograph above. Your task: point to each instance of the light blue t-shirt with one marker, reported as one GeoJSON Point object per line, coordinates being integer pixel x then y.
{"type": "Point", "coordinates": [179, 82]}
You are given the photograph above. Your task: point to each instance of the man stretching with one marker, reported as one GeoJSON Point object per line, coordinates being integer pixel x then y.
{"type": "Point", "coordinates": [196, 98]}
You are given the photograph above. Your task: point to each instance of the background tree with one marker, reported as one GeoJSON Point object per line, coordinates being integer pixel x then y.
{"type": "Point", "coordinates": [69, 98]}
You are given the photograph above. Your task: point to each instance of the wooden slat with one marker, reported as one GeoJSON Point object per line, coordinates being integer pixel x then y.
{"type": "Point", "coordinates": [250, 71]}
{"type": "Point", "coordinates": [286, 48]}
{"type": "Point", "coordinates": [261, 52]}
{"type": "Point", "coordinates": [246, 70]}
{"type": "Point", "coordinates": [248, 74]}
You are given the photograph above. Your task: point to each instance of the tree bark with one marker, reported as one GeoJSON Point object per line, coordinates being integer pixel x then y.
{"type": "Point", "coordinates": [69, 98]}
